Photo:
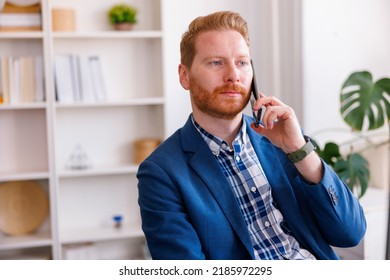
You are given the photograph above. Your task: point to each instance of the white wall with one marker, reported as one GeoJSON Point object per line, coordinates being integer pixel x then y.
{"type": "Point", "coordinates": [340, 37]}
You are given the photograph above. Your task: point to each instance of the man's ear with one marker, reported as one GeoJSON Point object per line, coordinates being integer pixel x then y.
{"type": "Point", "coordinates": [184, 76]}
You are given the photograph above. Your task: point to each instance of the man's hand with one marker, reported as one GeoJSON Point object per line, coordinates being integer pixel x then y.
{"type": "Point", "coordinates": [280, 124]}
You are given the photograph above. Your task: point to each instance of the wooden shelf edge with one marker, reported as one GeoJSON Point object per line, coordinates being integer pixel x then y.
{"type": "Point", "coordinates": [87, 235]}
{"type": "Point", "coordinates": [101, 171]}
{"type": "Point", "coordinates": [24, 176]}
{"type": "Point", "coordinates": [135, 34]}
{"type": "Point", "coordinates": [25, 241]}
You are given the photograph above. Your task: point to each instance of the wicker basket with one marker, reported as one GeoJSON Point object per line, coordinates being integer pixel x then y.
{"type": "Point", "coordinates": [24, 206]}
{"type": "Point", "coordinates": [144, 147]}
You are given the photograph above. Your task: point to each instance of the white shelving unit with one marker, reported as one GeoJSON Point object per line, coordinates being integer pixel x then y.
{"type": "Point", "coordinates": [37, 139]}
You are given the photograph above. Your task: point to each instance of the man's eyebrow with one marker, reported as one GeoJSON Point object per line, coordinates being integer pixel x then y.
{"type": "Point", "coordinates": [211, 57]}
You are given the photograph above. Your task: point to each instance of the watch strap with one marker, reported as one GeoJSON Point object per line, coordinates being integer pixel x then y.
{"type": "Point", "coordinates": [301, 153]}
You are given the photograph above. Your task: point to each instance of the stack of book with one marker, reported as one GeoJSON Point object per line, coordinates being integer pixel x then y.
{"type": "Point", "coordinates": [21, 79]}
{"type": "Point", "coordinates": [79, 78]}
{"type": "Point", "coordinates": [20, 18]}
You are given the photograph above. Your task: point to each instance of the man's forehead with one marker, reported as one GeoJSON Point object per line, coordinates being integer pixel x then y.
{"type": "Point", "coordinates": [215, 43]}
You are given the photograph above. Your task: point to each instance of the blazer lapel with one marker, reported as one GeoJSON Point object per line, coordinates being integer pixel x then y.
{"type": "Point", "coordinates": [205, 165]}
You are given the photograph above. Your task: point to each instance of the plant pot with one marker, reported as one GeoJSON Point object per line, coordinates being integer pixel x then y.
{"type": "Point", "coordinates": [123, 26]}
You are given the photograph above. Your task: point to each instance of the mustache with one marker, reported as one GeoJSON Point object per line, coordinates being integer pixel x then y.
{"type": "Point", "coordinates": [232, 87]}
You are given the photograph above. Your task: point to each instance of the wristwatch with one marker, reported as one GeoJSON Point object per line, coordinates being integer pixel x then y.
{"type": "Point", "coordinates": [301, 153]}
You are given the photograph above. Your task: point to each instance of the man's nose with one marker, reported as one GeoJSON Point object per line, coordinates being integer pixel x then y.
{"type": "Point", "coordinates": [231, 74]}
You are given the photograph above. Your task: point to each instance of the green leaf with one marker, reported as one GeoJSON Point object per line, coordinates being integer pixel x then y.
{"type": "Point", "coordinates": [354, 171]}
{"type": "Point", "coordinates": [330, 153]}
{"type": "Point", "coordinates": [122, 13]}
{"type": "Point", "coordinates": [363, 101]}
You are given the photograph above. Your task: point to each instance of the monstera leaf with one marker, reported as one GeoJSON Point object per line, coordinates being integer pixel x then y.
{"type": "Point", "coordinates": [353, 169]}
{"type": "Point", "coordinates": [364, 101]}
{"type": "Point", "coordinates": [365, 105]}
{"type": "Point", "coordinates": [330, 153]}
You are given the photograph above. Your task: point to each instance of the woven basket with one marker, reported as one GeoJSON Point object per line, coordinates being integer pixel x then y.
{"type": "Point", "coordinates": [24, 205]}
{"type": "Point", "coordinates": [144, 147]}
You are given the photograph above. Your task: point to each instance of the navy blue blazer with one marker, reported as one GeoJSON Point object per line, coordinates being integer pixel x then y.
{"type": "Point", "coordinates": [189, 210]}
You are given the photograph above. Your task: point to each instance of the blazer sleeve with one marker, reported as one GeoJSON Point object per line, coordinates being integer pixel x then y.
{"type": "Point", "coordinates": [167, 227]}
{"type": "Point", "coordinates": [337, 211]}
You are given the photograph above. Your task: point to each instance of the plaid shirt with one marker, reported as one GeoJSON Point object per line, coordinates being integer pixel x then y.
{"type": "Point", "coordinates": [254, 195]}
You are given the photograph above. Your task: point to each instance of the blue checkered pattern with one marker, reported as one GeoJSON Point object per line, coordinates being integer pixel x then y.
{"type": "Point", "coordinates": [254, 195]}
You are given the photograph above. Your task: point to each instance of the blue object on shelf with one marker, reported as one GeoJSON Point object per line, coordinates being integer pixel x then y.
{"type": "Point", "coordinates": [118, 220]}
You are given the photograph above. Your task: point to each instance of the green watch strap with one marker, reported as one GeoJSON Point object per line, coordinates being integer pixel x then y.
{"type": "Point", "coordinates": [301, 153]}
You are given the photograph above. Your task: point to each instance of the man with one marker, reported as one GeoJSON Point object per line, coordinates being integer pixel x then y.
{"type": "Point", "coordinates": [221, 187]}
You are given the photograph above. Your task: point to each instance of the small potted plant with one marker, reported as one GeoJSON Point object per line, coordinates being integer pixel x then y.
{"type": "Point", "coordinates": [123, 16]}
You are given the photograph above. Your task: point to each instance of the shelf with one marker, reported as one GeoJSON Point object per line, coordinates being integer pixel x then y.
{"type": "Point", "coordinates": [108, 35]}
{"type": "Point", "coordinates": [25, 241]}
{"type": "Point", "coordinates": [21, 35]}
{"type": "Point", "coordinates": [39, 140]}
{"type": "Point", "coordinates": [24, 176]}
{"type": "Point", "coordinates": [130, 102]}
{"type": "Point", "coordinates": [99, 234]}
{"type": "Point", "coordinates": [99, 171]}
{"type": "Point", "coordinates": [23, 106]}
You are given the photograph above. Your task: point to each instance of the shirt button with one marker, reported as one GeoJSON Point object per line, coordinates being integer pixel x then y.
{"type": "Point", "coordinates": [238, 158]}
{"type": "Point", "coordinates": [267, 224]}
{"type": "Point", "coordinates": [223, 146]}
{"type": "Point", "coordinates": [253, 189]}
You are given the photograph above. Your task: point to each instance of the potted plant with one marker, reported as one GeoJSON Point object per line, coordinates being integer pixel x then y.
{"type": "Point", "coordinates": [123, 16]}
{"type": "Point", "coordinates": [365, 106]}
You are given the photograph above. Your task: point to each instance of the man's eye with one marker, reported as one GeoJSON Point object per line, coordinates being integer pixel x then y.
{"type": "Point", "coordinates": [216, 62]}
{"type": "Point", "coordinates": [243, 63]}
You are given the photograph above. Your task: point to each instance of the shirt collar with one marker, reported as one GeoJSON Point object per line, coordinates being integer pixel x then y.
{"type": "Point", "coordinates": [217, 144]}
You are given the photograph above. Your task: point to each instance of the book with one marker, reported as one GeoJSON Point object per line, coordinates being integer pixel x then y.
{"type": "Point", "coordinates": [10, 8]}
{"type": "Point", "coordinates": [27, 90]}
{"type": "Point", "coordinates": [85, 79]}
{"type": "Point", "coordinates": [64, 83]}
{"type": "Point", "coordinates": [15, 19]}
{"type": "Point", "coordinates": [97, 78]}
{"type": "Point", "coordinates": [79, 78]}
{"type": "Point", "coordinates": [1, 84]}
{"type": "Point", "coordinates": [12, 80]}
{"type": "Point", "coordinates": [75, 78]}
{"type": "Point", "coordinates": [20, 21]}
{"type": "Point", "coordinates": [39, 90]}
{"type": "Point", "coordinates": [21, 79]}
{"type": "Point", "coordinates": [5, 78]}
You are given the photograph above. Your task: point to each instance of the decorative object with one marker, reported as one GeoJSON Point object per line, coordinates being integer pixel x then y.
{"type": "Point", "coordinates": [117, 221]}
{"type": "Point", "coordinates": [24, 205]}
{"type": "Point", "coordinates": [144, 147]}
{"type": "Point", "coordinates": [78, 160]}
{"type": "Point", "coordinates": [123, 16]}
{"type": "Point", "coordinates": [63, 19]}
{"type": "Point", "coordinates": [365, 106]}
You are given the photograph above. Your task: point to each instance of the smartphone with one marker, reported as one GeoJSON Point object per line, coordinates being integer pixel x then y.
{"type": "Point", "coordinates": [258, 116]}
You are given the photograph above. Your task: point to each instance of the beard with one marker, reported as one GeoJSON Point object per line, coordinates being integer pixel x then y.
{"type": "Point", "coordinates": [216, 104]}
